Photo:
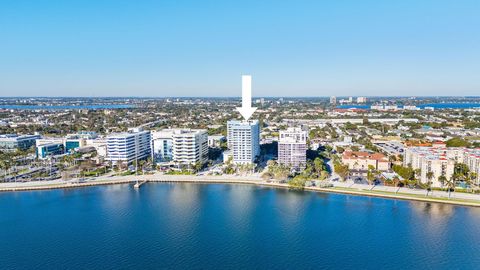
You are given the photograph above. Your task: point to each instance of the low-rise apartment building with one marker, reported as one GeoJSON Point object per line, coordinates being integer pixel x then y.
{"type": "Point", "coordinates": [359, 161]}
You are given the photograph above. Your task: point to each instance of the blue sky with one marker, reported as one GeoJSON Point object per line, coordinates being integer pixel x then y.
{"type": "Point", "coordinates": [201, 48]}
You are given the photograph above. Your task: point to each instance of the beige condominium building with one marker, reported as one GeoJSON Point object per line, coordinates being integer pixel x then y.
{"type": "Point", "coordinates": [441, 161]}
{"type": "Point", "coordinates": [292, 148]}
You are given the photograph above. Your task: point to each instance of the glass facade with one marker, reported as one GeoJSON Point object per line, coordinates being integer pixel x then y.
{"type": "Point", "coordinates": [53, 149]}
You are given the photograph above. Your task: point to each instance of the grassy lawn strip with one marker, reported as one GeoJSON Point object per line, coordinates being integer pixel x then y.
{"type": "Point", "coordinates": [407, 195]}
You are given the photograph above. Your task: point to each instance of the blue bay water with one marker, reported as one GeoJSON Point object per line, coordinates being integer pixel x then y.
{"type": "Point", "coordinates": [422, 106]}
{"type": "Point", "coordinates": [199, 226]}
{"type": "Point", "coordinates": [66, 107]}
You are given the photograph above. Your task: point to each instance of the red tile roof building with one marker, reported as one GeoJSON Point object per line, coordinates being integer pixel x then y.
{"type": "Point", "coordinates": [361, 161]}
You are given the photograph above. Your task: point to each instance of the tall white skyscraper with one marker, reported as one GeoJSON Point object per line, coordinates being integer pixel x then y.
{"type": "Point", "coordinates": [243, 139]}
{"type": "Point", "coordinates": [190, 146]}
{"type": "Point", "coordinates": [129, 146]}
{"type": "Point", "coordinates": [292, 148]}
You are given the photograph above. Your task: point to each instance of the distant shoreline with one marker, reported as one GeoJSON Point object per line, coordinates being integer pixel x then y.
{"type": "Point", "coordinates": [228, 180]}
{"type": "Point", "coordinates": [438, 105]}
{"type": "Point", "coordinates": [67, 107]}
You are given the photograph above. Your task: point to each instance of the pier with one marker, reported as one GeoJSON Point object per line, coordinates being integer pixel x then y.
{"type": "Point", "coordinates": [139, 183]}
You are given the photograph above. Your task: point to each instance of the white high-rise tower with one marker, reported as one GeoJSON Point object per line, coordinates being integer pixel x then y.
{"type": "Point", "coordinates": [243, 140]}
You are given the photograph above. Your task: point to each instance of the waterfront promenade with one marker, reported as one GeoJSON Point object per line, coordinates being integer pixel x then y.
{"type": "Point", "coordinates": [338, 187]}
{"type": "Point", "coordinates": [130, 179]}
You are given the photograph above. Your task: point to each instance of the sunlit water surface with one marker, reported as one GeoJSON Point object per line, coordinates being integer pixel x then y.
{"type": "Point", "coordinates": [196, 226]}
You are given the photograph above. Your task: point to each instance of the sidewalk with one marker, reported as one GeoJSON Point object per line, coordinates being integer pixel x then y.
{"type": "Point", "coordinates": [157, 177]}
{"type": "Point", "coordinates": [435, 194]}
{"type": "Point", "coordinates": [339, 187]}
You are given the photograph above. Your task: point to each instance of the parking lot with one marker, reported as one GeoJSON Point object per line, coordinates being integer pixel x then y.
{"type": "Point", "coordinates": [391, 148]}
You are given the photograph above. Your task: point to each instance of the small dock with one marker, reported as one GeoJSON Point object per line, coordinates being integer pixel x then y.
{"type": "Point", "coordinates": [139, 183]}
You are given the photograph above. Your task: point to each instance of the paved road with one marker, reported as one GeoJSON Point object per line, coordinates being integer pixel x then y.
{"type": "Point", "coordinates": [130, 178]}
{"type": "Point", "coordinates": [434, 194]}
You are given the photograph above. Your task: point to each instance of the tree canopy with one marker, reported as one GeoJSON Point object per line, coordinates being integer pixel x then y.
{"type": "Point", "coordinates": [457, 142]}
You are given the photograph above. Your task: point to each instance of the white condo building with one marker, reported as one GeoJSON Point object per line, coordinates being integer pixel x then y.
{"type": "Point", "coordinates": [333, 100]}
{"type": "Point", "coordinates": [129, 146]}
{"type": "Point", "coordinates": [243, 138]}
{"type": "Point", "coordinates": [190, 146]}
{"type": "Point", "coordinates": [100, 145]}
{"type": "Point", "coordinates": [162, 144]}
{"type": "Point", "coordinates": [441, 161]}
{"type": "Point", "coordinates": [292, 148]}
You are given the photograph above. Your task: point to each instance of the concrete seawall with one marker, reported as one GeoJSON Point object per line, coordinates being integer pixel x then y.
{"type": "Point", "coordinates": [227, 180]}
{"type": "Point", "coordinates": [6, 187]}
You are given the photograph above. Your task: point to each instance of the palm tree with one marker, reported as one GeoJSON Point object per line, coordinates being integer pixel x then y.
{"type": "Point", "coordinates": [318, 165]}
{"type": "Point", "coordinates": [342, 171]}
{"type": "Point", "coordinates": [4, 165]}
{"type": "Point", "coordinates": [472, 177]}
{"type": "Point", "coordinates": [371, 175]}
{"type": "Point", "coordinates": [442, 179]}
{"type": "Point", "coordinates": [141, 164]}
{"type": "Point", "coordinates": [68, 160]}
{"type": "Point", "coordinates": [450, 185]}
{"type": "Point", "coordinates": [418, 173]}
{"type": "Point", "coordinates": [109, 164]}
{"type": "Point", "coordinates": [198, 166]}
{"type": "Point", "coordinates": [430, 176]}
{"type": "Point", "coordinates": [120, 165]}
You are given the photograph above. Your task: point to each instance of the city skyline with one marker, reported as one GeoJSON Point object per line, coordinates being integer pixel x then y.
{"type": "Point", "coordinates": [306, 49]}
{"type": "Point", "coordinates": [240, 134]}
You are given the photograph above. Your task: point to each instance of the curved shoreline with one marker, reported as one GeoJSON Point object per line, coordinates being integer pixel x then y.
{"type": "Point", "coordinates": [237, 180]}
